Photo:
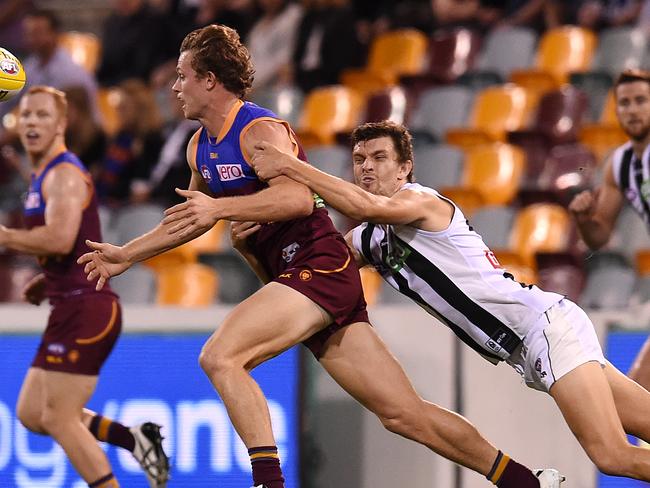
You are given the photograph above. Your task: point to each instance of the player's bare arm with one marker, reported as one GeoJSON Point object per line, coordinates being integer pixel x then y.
{"type": "Point", "coordinates": [410, 207]}
{"type": "Point", "coordinates": [66, 193]}
{"type": "Point", "coordinates": [596, 212]}
{"type": "Point", "coordinates": [283, 200]}
{"type": "Point", "coordinates": [107, 260]}
{"type": "Point", "coordinates": [353, 251]}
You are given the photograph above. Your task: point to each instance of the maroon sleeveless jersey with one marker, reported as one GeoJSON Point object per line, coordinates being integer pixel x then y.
{"type": "Point", "coordinates": [64, 277]}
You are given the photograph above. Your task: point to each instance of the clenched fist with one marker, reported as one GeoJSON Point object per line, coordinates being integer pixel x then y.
{"type": "Point", "coordinates": [583, 205]}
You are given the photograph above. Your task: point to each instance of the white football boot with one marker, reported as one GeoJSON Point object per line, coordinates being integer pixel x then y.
{"type": "Point", "coordinates": [149, 453]}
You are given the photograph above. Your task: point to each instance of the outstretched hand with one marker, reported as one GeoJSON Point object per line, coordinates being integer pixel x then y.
{"type": "Point", "coordinates": [269, 161]}
{"type": "Point", "coordinates": [104, 262]}
{"type": "Point", "coordinates": [197, 213]}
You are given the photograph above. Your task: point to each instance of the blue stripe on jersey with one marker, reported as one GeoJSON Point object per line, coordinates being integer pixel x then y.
{"type": "Point", "coordinates": [222, 163]}
{"type": "Point", "coordinates": [34, 202]}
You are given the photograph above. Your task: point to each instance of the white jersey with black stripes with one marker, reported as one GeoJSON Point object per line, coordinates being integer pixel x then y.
{"type": "Point", "coordinates": [632, 175]}
{"type": "Point", "coordinates": [455, 277]}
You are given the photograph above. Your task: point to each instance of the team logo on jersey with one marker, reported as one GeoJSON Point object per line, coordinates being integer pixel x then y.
{"type": "Point", "coordinates": [205, 172]}
{"type": "Point", "coordinates": [492, 259]}
{"type": "Point", "coordinates": [645, 190]}
{"type": "Point", "coordinates": [33, 200]}
{"type": "Point", "coordinates": [8, 66]}
{"type": "Point", "coordinates": [290, 251]}
{"type": "Point", "coordinates": [56, 348]}
{"type": "Point", "coordinates": [214, 155]}
{"type": "Point", "coordinates": [229, 172]}
{"type": "Point", "coordinates": [73, 356]}
{"type": "Point", "coordinates": [305, 275]}
{"type": "Point", "coordinates": [493, 345]}
{"type": "Point", "coordinates": [630, 194]}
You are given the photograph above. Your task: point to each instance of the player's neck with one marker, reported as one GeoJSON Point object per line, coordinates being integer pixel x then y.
{"type": "Point", "coordinates": [215, 119]}
{"type": "Point", "coordinates": [40, 160]}
{"type": "Point", "coordinates": [638, 147]}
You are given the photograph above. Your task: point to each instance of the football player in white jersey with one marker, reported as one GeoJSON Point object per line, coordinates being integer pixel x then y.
{"type": "Point", "coordinates": [408, 226]}
{"type": "Point", "coordinates": [626, 171]}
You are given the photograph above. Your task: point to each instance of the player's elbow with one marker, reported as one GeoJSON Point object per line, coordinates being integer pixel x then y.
{"type": "Point", "coordinates": [303, 207]}
{"type": "Point", "coordinates": [61, 245]}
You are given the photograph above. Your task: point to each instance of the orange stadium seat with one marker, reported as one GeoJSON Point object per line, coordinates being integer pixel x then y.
{"type": "Point", "coordinates": [372, 283]}
{"type": "Point", "coordinates": [212, 241]}
{"type": "Point", "coordinates": [497, 110]}
{"type": "Point", "coordinates": [392, 54]}
{"type": "Point", "coordinates": [187, 285]}
{"type": "Point", "coordinates": [492, 172]}
{"type": "Point", "coordinates": [329, 110]}
{"type": "Point", "coordinates": [541, 227]}
{"type": "Point", "coordinates": [84, 47]}
{"type": "Point", "coordinates": [467, 199]}
{"type": "Point", "coordinates": [606, 134]}
{"type": "Point", "coordinates": [643, 262]}
{"type": "Point", "coordinates": [561, 51]}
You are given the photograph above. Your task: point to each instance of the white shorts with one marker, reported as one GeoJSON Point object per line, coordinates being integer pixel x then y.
{"type": "Point", "coordinates": [561, 340]}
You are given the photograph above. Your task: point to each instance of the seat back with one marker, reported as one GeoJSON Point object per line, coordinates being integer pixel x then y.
{"type": "Point", "coordinates": [137, 285]}
{"type": "Point", "coordinates": [329, 110]}
{"type": "Point", "coordinates": [286, 102]}
{"type": "Point", "coordinates": [452, 54]}
{"type": "Point", "coordinates": [494, 171]}
{"type": "Point", "coordinates": [508, 49]}
{"type": "Point", "coordinates": [188, 285]}
{"type": "Point", "coordinates": [441, 108]}
{"type": "Point", "coordinates": [438, 165]}
{"type": "Point", "coordinates": [493, 223]}
{"type": "Point", "coordinates": [620, 48]}
{"type": "Point", "coordinates": [500, 109]}
{"type": "Point", "coordinates": [560, 113]}
{"type": "Point", "coordinates": [541, 227]}
{"type": "Point", "coordinates": [388, 104]}
{"type": "Point", "coordinates": [335, 160]}
{"type": "Point", "coordinates": [565, 49]}
{"type": "Point", "coordinates": [84, 47]}
{"type": "Point", "coordinates": [400, 52]}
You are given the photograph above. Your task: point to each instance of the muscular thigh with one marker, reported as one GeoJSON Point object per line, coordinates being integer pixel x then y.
{"type": "Point", "coordinates": [266, 324]}
{"type": "Point", "coordinates": [67, 393]}
{"type": "Point", "coordinates": [32, 397]}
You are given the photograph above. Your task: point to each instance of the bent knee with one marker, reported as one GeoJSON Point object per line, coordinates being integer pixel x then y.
{"type": "Point", "coordinates": [30, 419]}
{"type": "Point", "coordinates": [611, 461]}
{"type": "Point", "coordinates": [215, 361]}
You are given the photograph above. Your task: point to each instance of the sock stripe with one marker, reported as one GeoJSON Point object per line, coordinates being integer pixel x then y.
{"type": "Point", "coordinates": [264, 455]}
{"type": "Point", "coordinates": [500, 468]}
{"type": "Point", "coordinates": [102, 430]}
{"type": "Point", "coordinates": [107, 481]}
{"type": "Point", "coordinates": [253, 450]}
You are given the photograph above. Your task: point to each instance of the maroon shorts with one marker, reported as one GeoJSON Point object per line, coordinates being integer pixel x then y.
{"type": "Point", "coordinates": [325, 272]}
{"type": "Point", "coordinates": [80, 334]}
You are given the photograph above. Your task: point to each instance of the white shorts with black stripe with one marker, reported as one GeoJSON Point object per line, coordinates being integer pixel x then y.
{"type": "Point", "coordinates": [562, 339]}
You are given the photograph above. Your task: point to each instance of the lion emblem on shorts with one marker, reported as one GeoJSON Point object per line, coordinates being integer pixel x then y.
{"type": "Point", "coordinates": [290, 251]}
{"type": "Point", "coordinates": [305, 275]}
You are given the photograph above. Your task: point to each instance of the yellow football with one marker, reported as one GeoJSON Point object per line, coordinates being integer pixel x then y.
{"type": "Point", "coordinates": [12, 75]}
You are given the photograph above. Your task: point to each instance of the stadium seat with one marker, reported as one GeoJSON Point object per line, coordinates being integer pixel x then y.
{"type": "Point", "coordinates": [137, 285]}
{"type": "Point", "coordinates": [392, 54]}
{"type": "Point", "coordinates": [438, 165]}
{"type": "Point", "coordinates": [558, 117]}
{"type": "Point", "coordinates": [494, 171]}
{"type": "Point", "coordinates": [561, 273]}
{"type": "Point", "coordinates": [561, 51]}
{"type": "Point", "coordinates": [541, 227]}
{"type": "Point", "coordinates": [187, 285]}
{"type": "Point", "coordinates": [496, 111]}
{"type": "Point", "coordinates": [642, 262]}
{"type": "Point", "coordinates": [506, 50]}
{"type": "Point", "coordinates": [630, 235]}
{"type": "Point", "coordinates": [467, 199]}
{"type": "Point", "coordinates": [619, 48]}
{"type": "Point", "coordinates": [335, 160]}
{"type": "Point", "coordinates": [213, 241]}
{"type": "Point", "coordinates": [596, 86]}
{"type": "Point", "coordinates": [606, 134]}
{"type": "Point", "coordinates": [326, 111]}
{"type": "Point", "coordinates": [286, 102]}
{"type": "Point", "coordinates": [84, 48]}
{"type": "Point", "coordinates": [133, 221]}
{"type": "Point", "coordinates": [388, 104]}
{"type": "Point", "coordinates": [451, 54]}
{"type": "Point", "coordinates": [609, 287]}
{"type": "Point", "coordinates": [372, 283]}
{"type": "Point", "coordinates": [493, 223]}
{"type": "Point", "coordinates": [237, 279]}
{"type": "Point", "coordinates": [439, 109]}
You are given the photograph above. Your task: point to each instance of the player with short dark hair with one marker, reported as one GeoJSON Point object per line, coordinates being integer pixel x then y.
{"type": "Point", "coordinates": [60, 214]}
{"type": "Point", "coordinates": [422, 245]}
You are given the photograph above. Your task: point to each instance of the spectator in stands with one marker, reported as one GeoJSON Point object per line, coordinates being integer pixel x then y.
{"type": "Point", "coordinates": [271, 41]}
{"type": "Point", "coordinates": [238, 14]}
{"type": "Point", "coordinates": [48, 63]}
{"type": "Point", "coordinates": [139, 41]}
{"type": "Point", "coordinates": [134, 149]}
{"type": "Point", "coordinates": [83, 135]}
{"type": "Point", "coordinates": [170, 170]}
{"type": "Point", "coordinates": [644, 18]}
{"type": "Point", "coordinates": [600, 14]}
{"type": "Point", "coordinates": [12, 36]}
{"type": "Point", "coordinates": [327, 43]}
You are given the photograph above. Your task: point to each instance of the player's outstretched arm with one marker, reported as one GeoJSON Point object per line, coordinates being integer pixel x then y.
{"type": "Point", "coordinates": [596, 212]}
{"type": "Point", "coordinates": [66, 193]}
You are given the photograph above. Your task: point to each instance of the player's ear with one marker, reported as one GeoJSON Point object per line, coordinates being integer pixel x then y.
{"type": "Point", "coordinates": [405, 169]}
{"type": "Point", "coordinates": [211, 80]}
